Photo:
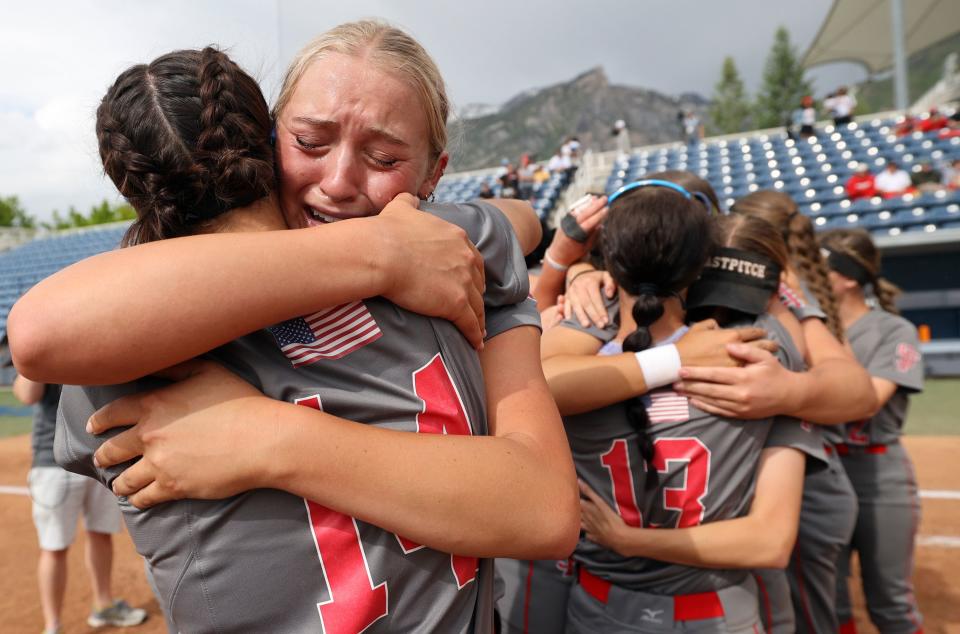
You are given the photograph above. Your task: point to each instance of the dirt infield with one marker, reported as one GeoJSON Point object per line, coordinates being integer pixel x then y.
{"type": "Point", "coordinates": [937, 567]}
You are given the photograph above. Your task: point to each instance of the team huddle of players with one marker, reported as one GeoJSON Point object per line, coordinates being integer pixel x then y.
{"type": "Point", "coordinates": [662, 473]}
{"type": "Point", "coordinates": [378, 439]}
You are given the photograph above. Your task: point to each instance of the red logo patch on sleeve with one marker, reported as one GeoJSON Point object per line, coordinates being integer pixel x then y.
{"type": "Point", "coordinates": [907, 357]}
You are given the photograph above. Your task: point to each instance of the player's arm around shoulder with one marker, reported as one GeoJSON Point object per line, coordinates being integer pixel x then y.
{"type": "Point", "coordinates": [543, 491]}
{"type": "Point", "coordinates": [570, 361]}
{"type": "Point", "coordinates": [763, 538]}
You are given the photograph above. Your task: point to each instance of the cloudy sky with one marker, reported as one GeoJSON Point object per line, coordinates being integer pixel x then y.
{"type": "Point", "coordinates": [57, 58]}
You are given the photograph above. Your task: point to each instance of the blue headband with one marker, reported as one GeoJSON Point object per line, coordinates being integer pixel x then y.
{"type": "Point", "coordinates": [651, 182]}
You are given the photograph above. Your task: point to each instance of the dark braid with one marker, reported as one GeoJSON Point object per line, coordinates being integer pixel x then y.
{"type": "Point", "coordinates": [805, 257]}
{"type": "Point", "coordinates": [185, 139]}
{"type": "Point", "coordinates": [655, 243]}
{"type": "Point", "coordinates": [647, 309]}
{"type": "Point", "coordinates": [228, 136]}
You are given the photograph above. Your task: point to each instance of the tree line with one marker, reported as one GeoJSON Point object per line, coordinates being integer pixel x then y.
{"type": "Point", "coordinates": [12, 214]}
{"type": "Point", "coordinates": [784, 84]}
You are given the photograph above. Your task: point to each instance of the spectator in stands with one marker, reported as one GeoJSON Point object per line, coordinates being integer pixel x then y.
{"type": "Point", "coordinates": [559, 163]}
{"type": "Point", "coordinates": [861, 184]}
{"type": "Point", "coordinates": [623, 137]}
{"type": "Point", "coordinates": [571, 153]}
{"type": "Point", "coordinates": [906, 126]}
{"type": "Point", "coordinates": [59, 497]}
{"type": "Point", "coordinates": [485, 190]}
{"type": "Point", "coordinates": [540, 174]}
{"type": "Point", "coordinates": [927, 179]}
{"type": "Point", "coordinates": [892, 181]}
{"type": "Point", "coordinates": [692, 128]}
{"type": "Point", "coordinates": [804, 117]}
{"type": "Point", "coordinates": [525, 178]}
{"type": "Point", "coordinates": [935, 121]}
{"type": "Point", "coordinates": [951, 175]}
{"type": "Point", "coordinates": [509, 182]}
{"type": "Point", "coordinates": [841, 106]}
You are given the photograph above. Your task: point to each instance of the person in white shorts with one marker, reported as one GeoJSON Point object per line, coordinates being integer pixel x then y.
{"type": "Point", "coordinates": [59, 497]}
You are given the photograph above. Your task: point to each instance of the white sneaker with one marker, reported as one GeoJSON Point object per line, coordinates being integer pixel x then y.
{"type": "Point", "coordinates": [120, 614]}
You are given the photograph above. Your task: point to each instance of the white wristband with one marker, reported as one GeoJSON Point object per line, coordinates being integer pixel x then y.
{"type": "Point", "coordinates": [660, 365]}
{"type": "Point", "coordinates": [553, 263]}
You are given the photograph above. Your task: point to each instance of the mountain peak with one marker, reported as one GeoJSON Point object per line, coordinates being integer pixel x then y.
{"type": "Point", "coordinates": [538, 120]}
{"type": "Point", "coordinates": [594, 77]}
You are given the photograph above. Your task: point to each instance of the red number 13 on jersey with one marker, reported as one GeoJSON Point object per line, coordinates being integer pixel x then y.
{"type": "Point", "coordinates": [688, 500]}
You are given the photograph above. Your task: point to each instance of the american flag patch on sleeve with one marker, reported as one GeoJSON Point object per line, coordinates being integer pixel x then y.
{"type": "Point", "coordinates": [331, 333]}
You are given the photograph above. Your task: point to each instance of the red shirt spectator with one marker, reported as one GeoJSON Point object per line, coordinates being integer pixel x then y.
{"type": "Point", "coordinates": [935, 121]}
{"type": "Point", "coordinates": [906, 127]}
{"type": "Point", "coordinates": [861, 185]}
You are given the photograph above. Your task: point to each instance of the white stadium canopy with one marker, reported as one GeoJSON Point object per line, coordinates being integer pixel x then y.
{"type": "Point", "coordinates": [880, 34]}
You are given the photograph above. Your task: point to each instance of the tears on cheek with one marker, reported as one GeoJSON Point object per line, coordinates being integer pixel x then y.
{"type": "Point", "coordinates": [383, 187]}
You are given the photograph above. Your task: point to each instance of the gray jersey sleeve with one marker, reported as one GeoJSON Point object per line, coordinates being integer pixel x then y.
{"type": "Point", "coordinates": [507, 297]}
{"type": "Point", "coordinates": [502, 318]}
{"type": "Point", "coordinates": [488, 228]}
{"type": "Point", "coordinates": [802, 436]}
{"type": "Point", "coordinates": [898, 357]}
{"type": "Point", "coordinates": [608, 332]}
{"type": "Point", "coordinates": [74, 447]}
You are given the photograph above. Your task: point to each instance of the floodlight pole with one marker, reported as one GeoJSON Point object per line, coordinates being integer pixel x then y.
{"type": "Point", "coordinates": [901, 90]}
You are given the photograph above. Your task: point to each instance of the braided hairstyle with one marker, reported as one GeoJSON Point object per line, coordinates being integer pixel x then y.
{"type": "Point", "coordinates": [655, 243]}
{"type": "Point", "coordinates": [780, 210]}
{"type": "Point", "coordinates": [857, 244]}
{"type": "Point", "coordinates": [185, 139]}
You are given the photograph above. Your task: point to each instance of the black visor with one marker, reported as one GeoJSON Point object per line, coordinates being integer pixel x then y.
{"type": "Point", "coordinates": [847, 266]}
{"type": "Point", "coordinates": [736, 279]}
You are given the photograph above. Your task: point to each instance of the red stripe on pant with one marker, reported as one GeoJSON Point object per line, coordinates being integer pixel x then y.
{"type": "Point", "coordinates": [686, 607]}
{"type": "Point", "coordinates": [526, 600]}
{"type": "Point", "coordinates": [844, 449]}
{"type": "Point", "coordinates": [848, 627]}
{"type": "Point", "coordinates": [767, 610]}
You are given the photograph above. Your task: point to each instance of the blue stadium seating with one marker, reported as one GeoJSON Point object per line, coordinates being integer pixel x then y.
{"type": "Point", "coordinates": [813, 171]}
{"type": "Point", "coordinates": [24, 266]}
{"type": "Point", "coordinates": [458, 188]}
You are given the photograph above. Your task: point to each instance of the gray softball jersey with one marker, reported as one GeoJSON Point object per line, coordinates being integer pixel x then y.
{"type": "Point", "coordinates": [888, 347]}
{"type": "Point", "coordinates": [266, 560]}
{"type": "Point", "coordinates": [706, 472]}
{"type": "Point", "coordinates": [886, 487]}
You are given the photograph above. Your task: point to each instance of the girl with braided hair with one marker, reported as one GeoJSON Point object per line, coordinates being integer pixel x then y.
{"type": "Point", "coordinates": [878, 465]}
{"type": "Point", "coordinates": [829, 510]}
{"type": "Point", "coordinates": [656, 461]}
{"type": "Point", "coordinates": [344, 458]}
{"type": "Point", "coordinates": [806, 264]}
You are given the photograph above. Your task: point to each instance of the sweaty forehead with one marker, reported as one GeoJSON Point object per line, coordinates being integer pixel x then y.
{"type": "Point", "coordinates": [355, 93]}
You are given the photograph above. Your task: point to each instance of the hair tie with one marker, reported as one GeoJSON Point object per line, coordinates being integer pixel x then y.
{"type": "Point", "coordinates": [648, 289]}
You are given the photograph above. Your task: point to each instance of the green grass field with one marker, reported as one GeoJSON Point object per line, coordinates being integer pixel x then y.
{"type": "Point", "coordinates": [12, 425]}
{"type": "Point", "coordinates": [935, 412]}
